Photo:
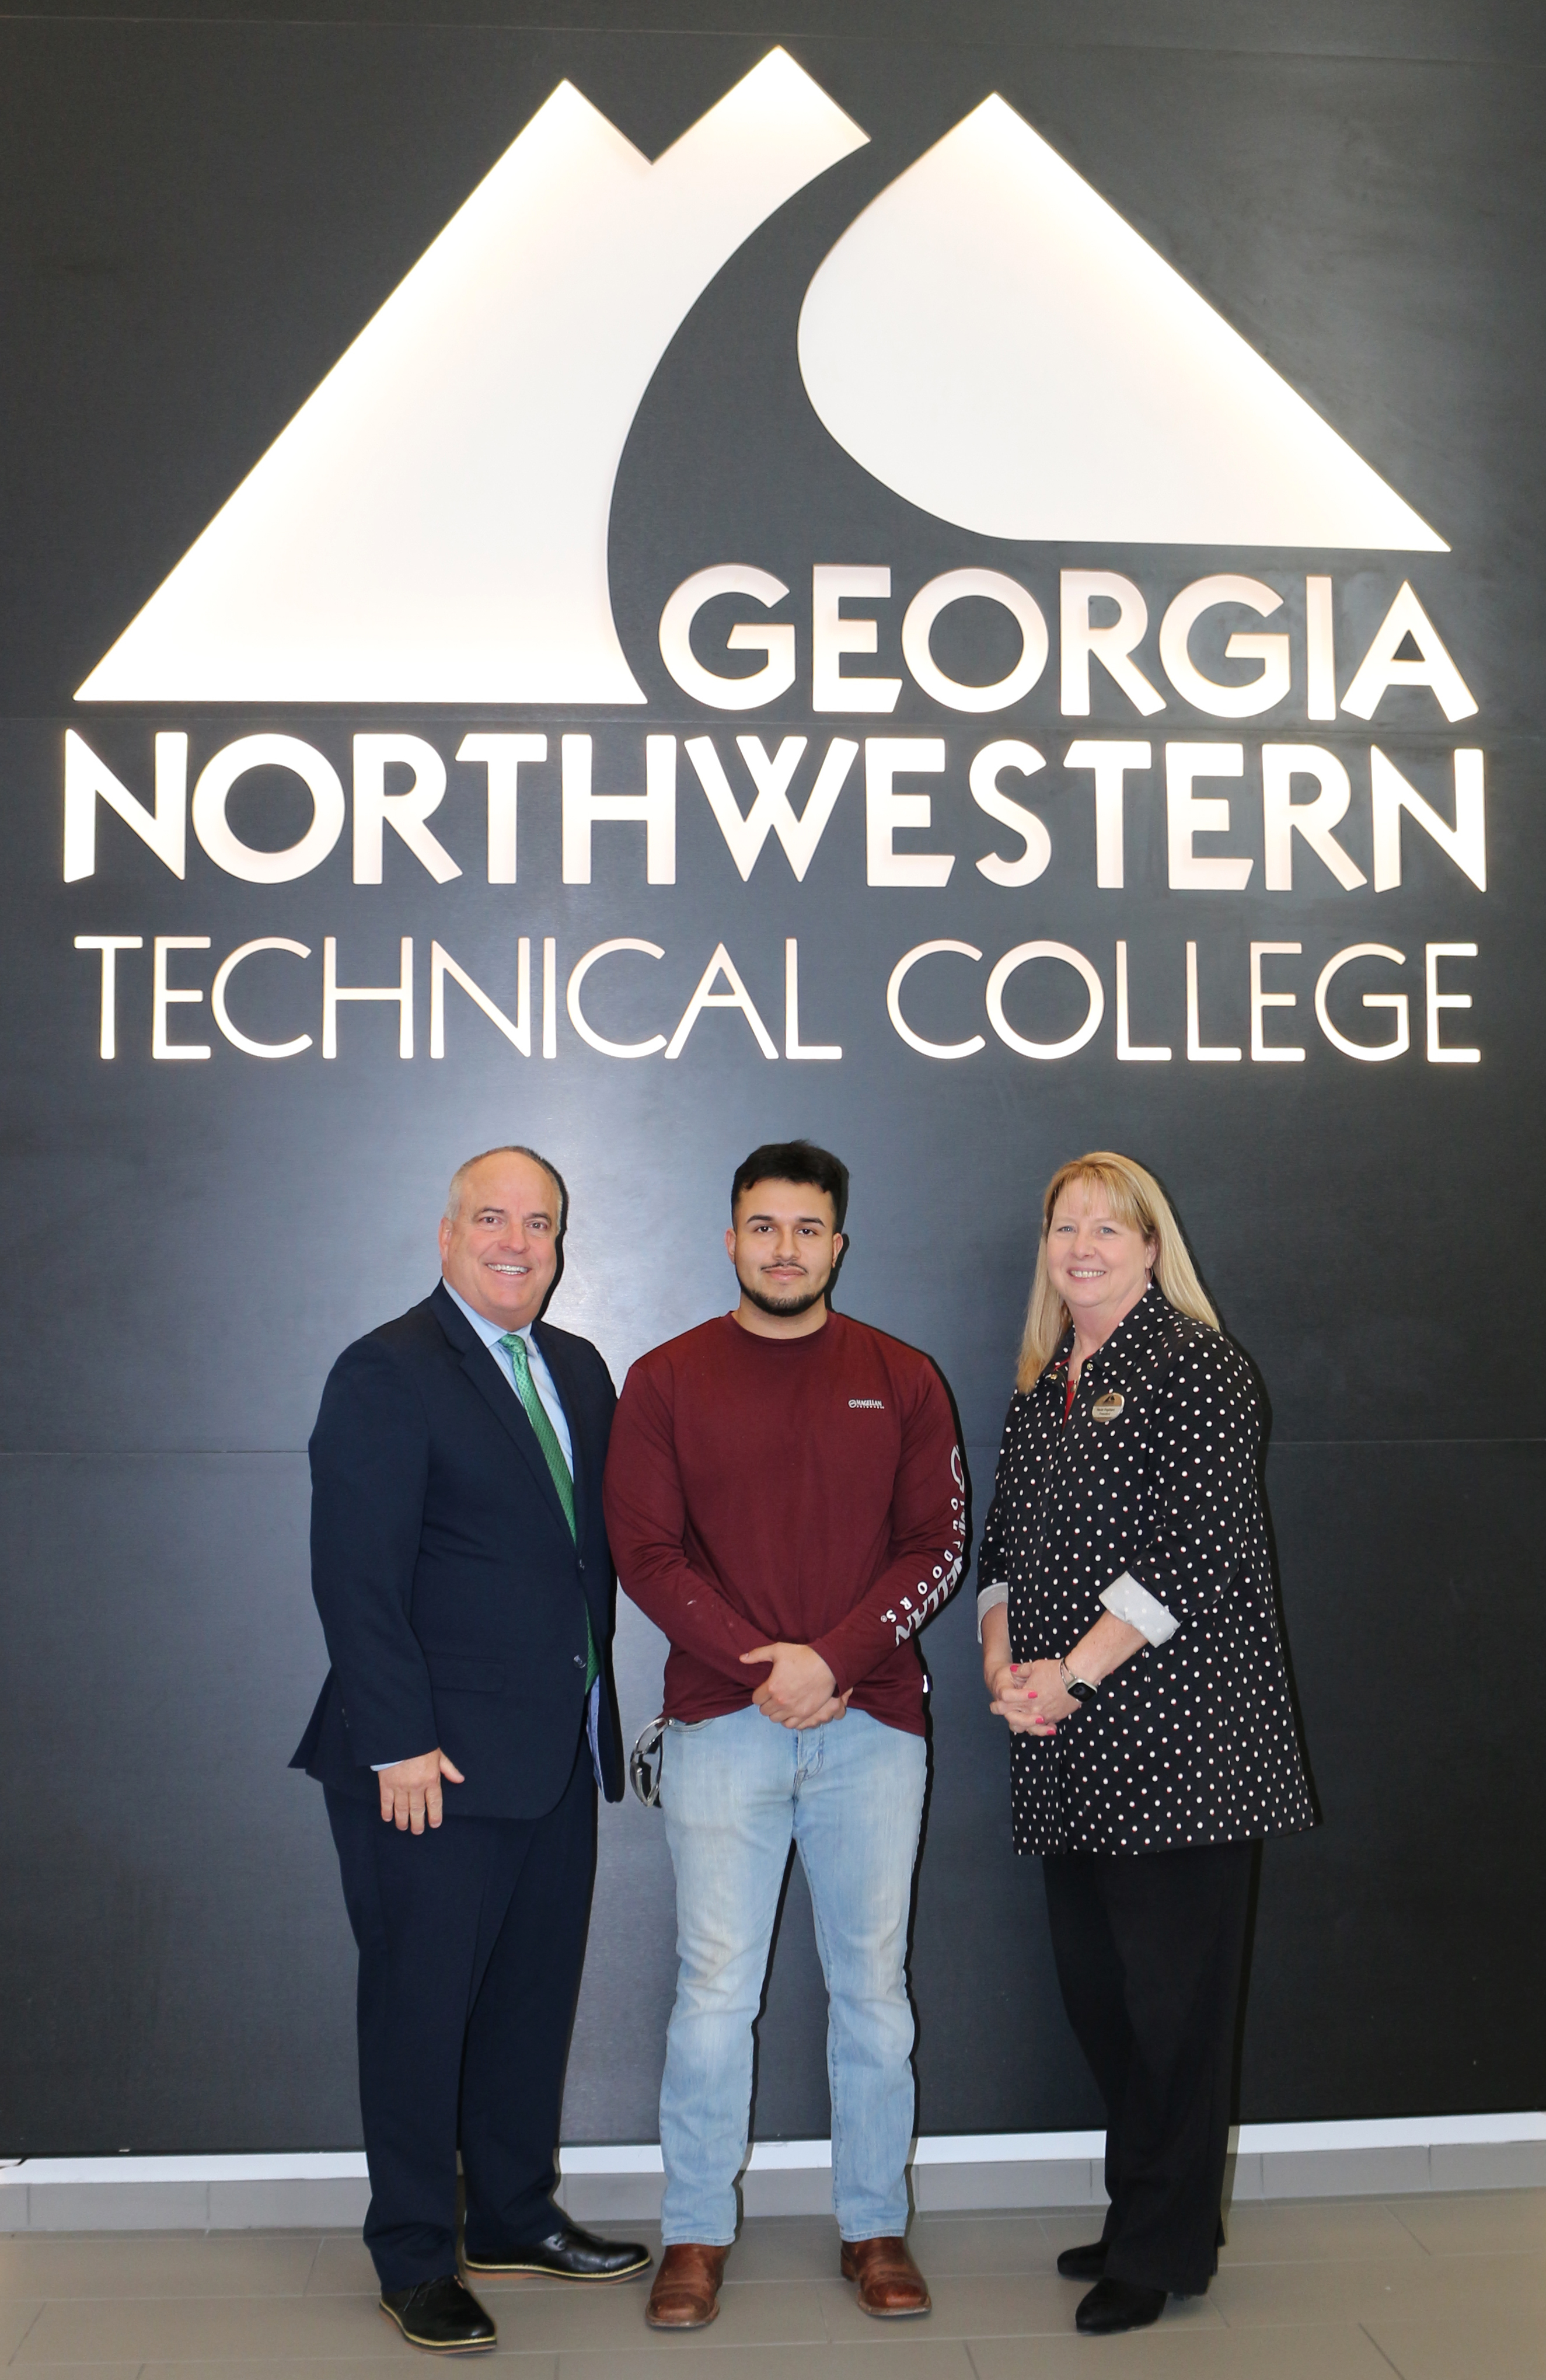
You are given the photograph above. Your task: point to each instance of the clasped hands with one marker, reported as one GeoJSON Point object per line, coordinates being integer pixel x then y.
{"type": "Point", "coordinates": [1029, 1697]}
{"type": "Point", "coordinates": [800, 1690]}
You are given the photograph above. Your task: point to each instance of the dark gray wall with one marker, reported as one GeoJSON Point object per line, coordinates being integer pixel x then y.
{"type": "Point", "coordinates": [196, 218]}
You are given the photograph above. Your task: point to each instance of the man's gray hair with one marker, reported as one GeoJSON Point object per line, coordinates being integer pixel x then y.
{"type": "Point", "coordinates": [507, 1148]}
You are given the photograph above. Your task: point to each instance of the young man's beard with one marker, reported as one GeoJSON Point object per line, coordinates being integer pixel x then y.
{"type": "Point", "coordinates": [785, 1307]}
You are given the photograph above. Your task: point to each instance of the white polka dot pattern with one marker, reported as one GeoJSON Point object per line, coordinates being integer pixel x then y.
{"type": "Point", "coordinates": [1192, 1740]}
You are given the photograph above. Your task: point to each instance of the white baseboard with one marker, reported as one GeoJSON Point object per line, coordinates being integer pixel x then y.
{"type": "Point", "coordinates": [311, 2191]}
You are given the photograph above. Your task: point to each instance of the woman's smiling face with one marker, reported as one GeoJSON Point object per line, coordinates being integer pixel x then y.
{"type": "Point", "coordinates": [1098, 1264]}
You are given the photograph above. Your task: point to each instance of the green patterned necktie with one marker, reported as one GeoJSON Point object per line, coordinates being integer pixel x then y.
{"type": "Point", "coordinates": [547, 1438]}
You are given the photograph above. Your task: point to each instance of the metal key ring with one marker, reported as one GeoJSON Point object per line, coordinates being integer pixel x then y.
{"type": "Point", "coordinates": [644, 1763]}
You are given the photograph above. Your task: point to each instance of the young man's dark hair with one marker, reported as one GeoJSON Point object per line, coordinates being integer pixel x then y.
{"type": "Point", "coordinates": [795, 1160]}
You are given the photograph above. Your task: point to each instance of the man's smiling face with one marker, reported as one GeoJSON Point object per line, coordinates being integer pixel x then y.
{"type": "Point", "coordinates": [500, 1249]}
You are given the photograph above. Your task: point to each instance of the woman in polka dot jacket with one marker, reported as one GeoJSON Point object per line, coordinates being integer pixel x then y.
{"type": "Point", "coordinates": [1130, 1641]}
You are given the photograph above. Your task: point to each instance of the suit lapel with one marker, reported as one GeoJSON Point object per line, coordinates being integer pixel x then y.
{"type": "Point", "coordinates": [483, 1369]}
{"type": "Point", "coordinates": [554, 1356]}
{"type": "Point", "coordinates": [592, 1581]}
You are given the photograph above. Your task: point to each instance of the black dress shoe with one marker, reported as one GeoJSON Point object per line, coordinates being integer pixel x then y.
{"type": "Point", "coordinates": [1118, 2305]}
{"type": "Point", "coordinates": [569, 2254]}
{"type": "Point", "coordinates": [441, 2316]}
{"type": "Point", "coordinates": [1086, 2264]}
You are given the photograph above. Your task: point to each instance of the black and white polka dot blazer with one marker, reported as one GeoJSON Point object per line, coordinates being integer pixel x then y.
{"type": "Point", "coordinates": [1192, 1740]}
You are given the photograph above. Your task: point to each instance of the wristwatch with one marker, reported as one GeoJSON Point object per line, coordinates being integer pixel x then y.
{"type": "Point", "coordinates": [1080, 1688]}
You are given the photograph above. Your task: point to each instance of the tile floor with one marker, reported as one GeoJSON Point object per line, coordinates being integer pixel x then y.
{"type": "Point", "coordinates": [1427, 2288]}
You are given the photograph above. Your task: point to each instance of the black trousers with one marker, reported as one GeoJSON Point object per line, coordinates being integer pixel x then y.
{"type": "Point", "coordinates": [1149, 1953]}
{"type": "Point", "coordinates": [472, 1937]}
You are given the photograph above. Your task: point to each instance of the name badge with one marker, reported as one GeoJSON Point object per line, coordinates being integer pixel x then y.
{"type": "Point", "coordinates": [1106, 1408]}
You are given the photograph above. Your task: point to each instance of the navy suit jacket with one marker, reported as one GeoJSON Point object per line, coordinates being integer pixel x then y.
{"type": "Point", "coordinates": [452, 1594]}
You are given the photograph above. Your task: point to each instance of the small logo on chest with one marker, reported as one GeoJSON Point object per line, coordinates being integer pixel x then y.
{"type": "Point", "coordinates": [867, 1405]}
{"type": "Point", "coordinates": [1106, 1408]}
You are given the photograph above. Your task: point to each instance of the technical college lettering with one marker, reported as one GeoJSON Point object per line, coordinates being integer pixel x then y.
{"type": "Point", "coordinates": [1192, 812]}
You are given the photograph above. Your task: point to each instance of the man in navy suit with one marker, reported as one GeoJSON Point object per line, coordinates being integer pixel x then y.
{"type": "Point", "coordinates": [459, 1562]}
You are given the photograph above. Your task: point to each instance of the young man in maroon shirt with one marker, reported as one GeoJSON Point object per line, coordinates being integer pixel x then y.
{"type": "Point", "coordinates": [785, 1499]}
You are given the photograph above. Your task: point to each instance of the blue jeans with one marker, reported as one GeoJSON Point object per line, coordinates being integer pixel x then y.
{"type": "Point", "coordinates": [736, 1791]}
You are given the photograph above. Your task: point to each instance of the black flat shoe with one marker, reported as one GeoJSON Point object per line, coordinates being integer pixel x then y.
{"type": "Point", "coordinates": [1118, 2305]}
{"type": "Point", "coordinates": [441, 2315]}
{"type": "Point", "coordinates": [568, 2255]}
{"type": "Point", "coordinates": [1086, 2264]}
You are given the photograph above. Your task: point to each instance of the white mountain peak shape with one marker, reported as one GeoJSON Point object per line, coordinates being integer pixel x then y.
{"type": "Point", "coordinates": [431, 527]}
{"type": "Point", "coordinates": [992, 342]}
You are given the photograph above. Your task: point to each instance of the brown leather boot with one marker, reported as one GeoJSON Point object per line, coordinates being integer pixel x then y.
{"type": "Point", "coordinates": [890, 2284]}
{"type": "Point", "coordinates": [686, 2295]}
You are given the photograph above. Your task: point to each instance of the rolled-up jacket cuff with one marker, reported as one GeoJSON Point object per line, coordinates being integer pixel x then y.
{"type": "Point", "coordinates": [1125, 1599]}
{"type": "Point", "coordinates": [988, 1599]}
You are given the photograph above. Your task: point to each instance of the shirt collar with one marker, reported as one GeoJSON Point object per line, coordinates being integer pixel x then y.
{"type": "Point", "coordinates": [1133, 1328]}
{"type": "Point", "coordinates": [488, 1332]}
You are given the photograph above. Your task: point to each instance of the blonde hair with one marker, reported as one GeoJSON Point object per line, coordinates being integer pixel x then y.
{"type": "Point", "coordinates": [1136, 1200]}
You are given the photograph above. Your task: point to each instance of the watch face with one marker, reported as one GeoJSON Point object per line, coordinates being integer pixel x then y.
{"type": "Point", "coordinates": [1081, 1692]}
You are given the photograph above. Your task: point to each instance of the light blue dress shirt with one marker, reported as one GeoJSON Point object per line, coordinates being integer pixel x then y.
{"type": "Point", "coordinates": [491, 1333]}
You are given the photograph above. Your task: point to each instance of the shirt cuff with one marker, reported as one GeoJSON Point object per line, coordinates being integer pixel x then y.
{"type": "Point", "coordinates": [1125, 1599]}
{"type": "Point", "coordinates": [988, 1599]}
{"type": "Point", "coordinates": [834, 1652]}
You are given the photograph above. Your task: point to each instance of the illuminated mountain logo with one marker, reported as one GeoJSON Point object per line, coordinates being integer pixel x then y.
{"type": "Point", "coordinates": [431, 527]}
{"type": "Point", "coordinates": [992, 342]}
{"type": "Point", "coordinates": [989, 340]}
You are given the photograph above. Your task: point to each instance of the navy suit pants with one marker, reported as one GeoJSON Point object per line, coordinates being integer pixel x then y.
{"type": "Point", "coordinates": [472, 1937]}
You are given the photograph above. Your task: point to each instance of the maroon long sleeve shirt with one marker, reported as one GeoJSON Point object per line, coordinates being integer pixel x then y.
{"type": "Point", "coordinates": [807, 1491]}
